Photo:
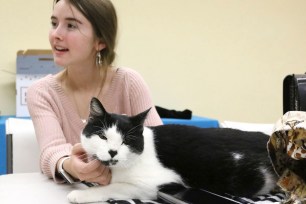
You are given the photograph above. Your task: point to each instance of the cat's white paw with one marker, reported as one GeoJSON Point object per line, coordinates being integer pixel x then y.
{"type": "Point", "coordinates": [85, 196]}
{"type": "Point", "coordinates": [77, 196]}
{"type": "Point", "coordinates": [74, 196]}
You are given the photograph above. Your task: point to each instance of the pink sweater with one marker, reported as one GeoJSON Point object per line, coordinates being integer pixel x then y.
{"type": "Point", "coordinates": [57, 123]}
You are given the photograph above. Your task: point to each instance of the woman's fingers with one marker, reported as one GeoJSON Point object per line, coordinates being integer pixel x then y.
{"type": "Point", "coordinates": [86, 169]}
{"type": "Point", "coordinates": [102, 177]}
{"type": "Point", "coordinates": [77, 149]}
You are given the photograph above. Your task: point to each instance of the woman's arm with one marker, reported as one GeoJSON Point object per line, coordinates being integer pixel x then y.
{"type": "Point", "coordinates": [52, 142]}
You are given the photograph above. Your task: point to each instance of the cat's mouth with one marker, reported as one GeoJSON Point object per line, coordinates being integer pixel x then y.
{"type": "Point", "coordinates": [111, 162]}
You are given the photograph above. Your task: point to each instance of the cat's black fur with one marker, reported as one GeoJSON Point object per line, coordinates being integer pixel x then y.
{"type": "Point", "coordinates": [204, 159]}
{"type": "Point", "coordinates": [221, 160]}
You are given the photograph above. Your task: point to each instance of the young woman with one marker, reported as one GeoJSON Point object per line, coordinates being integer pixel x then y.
{"type": "Point", "coordinates": [82, 38]}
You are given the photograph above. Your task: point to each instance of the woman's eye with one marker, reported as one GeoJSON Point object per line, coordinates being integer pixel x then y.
{"type": "Point", "coordinates": [71, 26]}
{"type": "Point", "coordinates": [53, 24]}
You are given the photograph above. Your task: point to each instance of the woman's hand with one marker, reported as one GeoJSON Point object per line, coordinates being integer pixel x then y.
{"type": "Point", "coordinates": [79, 166]}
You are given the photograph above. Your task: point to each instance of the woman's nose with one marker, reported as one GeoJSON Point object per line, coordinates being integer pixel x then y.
{"type": "Point", "coordinates": [57, 33]}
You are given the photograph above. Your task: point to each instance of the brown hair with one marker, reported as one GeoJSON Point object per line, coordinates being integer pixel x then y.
{"type": "Point", "coordinates": [103, 18]}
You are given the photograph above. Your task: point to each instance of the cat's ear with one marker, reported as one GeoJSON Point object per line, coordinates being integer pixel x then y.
{"type": "Point", "coordinates": [140, 118]}
{"type": "Point", "coordinates": [96, 107]}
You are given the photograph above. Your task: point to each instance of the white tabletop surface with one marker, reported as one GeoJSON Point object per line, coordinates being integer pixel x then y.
{"type": "Point", "coordinates": [33, 188]}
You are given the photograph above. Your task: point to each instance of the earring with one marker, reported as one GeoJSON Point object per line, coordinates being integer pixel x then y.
{"type": "Point", "coordinates": [99, 59]}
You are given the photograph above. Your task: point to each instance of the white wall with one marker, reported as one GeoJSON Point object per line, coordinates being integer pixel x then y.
{"type": "Point", "coordinates": [220, 59]}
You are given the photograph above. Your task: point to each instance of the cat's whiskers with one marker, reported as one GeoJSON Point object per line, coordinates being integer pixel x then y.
{"type": "Point", "coordinates": [131, 131]}
{"type": "Point", "coordinates": [131, 136]}
{"type": "Point", "coordinates": [98, 132]}
{"type": "Point", "coordinates": [102, 126]}
{"type": "Point", "coordinates": [103, 122]}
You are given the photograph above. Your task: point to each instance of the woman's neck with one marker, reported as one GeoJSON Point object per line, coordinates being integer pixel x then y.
{"type": "Point", "coordinates": [84, 78]}
{"type": "Point", "coordinates": [82, 85]}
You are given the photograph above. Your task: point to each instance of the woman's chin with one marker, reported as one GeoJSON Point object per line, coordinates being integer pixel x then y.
{"type": "Point", "coordinates": [60, 63]}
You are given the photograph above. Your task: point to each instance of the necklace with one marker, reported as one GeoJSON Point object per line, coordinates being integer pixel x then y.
{"type": "Point", "coordinates": [81, 113]}
{"type": "Point", "coordinates": [84, 120]}
{"type": "Point", "coordinates": [77, 106]}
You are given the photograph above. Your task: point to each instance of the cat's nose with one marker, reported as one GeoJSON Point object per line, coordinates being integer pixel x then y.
{"type": "Point", "coordinates": [112, 153]}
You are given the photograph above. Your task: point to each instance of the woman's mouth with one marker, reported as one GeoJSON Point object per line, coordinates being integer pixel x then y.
{"type": "Point", "coordinates": [60, 49]}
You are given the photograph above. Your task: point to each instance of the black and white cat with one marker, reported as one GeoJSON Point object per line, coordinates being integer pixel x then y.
{"type": "Point", "coordinates": [143, 159]}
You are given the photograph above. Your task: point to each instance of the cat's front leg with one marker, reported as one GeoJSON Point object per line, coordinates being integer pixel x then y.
{"type": "Point", "coordinates": [82, 196]}
{"type": "Point", "coordinates": [111, 191]}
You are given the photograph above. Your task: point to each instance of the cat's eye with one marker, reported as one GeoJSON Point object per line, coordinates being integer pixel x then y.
{"type": "Point", "coordinates": [102, 137]}
{"type": "Point", "coordinates": [124, 140]}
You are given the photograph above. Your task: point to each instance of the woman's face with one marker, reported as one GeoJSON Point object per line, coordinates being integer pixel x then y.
{"type": "Point", "coordinates": [72, 37]}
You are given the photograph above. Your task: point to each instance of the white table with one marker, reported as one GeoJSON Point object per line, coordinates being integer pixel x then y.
{"type": "Point", "coordinates": [33, 188]}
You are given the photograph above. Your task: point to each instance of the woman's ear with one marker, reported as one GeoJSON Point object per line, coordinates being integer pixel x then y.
{"type": "Point", "coordinates": [100, 45]}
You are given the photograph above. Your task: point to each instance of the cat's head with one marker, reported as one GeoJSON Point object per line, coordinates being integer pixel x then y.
{"type": "Point", "coordinates": [115, 140]}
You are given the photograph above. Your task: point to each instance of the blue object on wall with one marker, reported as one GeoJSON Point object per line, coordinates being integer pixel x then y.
{"type": "Point", "coordinates": [195, 121]}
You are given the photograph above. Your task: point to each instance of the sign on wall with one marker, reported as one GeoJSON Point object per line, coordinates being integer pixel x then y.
{"type": "Point", "coordinates": [31, 66]}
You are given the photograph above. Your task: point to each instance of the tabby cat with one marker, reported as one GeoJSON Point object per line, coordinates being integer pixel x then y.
{"type": "Point", "coordinates": [143, 159]}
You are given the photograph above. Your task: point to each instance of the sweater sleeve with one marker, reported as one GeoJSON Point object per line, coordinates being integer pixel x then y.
{"type": "Point", "coordinates": [141, 100]}
{"type": "Point", "coordinates": [52, 142]}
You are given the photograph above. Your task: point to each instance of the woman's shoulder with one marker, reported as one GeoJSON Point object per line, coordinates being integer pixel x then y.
{"type": "Point", "coordinates": [128, 74]}
{"type": "Point", "coordinates": [127, 71]}
{"type": "Point", "coordinates": [42, 85]}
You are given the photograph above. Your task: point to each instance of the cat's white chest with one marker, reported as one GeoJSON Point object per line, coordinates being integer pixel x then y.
{"type": "Point", "coordinates": [147, 170]}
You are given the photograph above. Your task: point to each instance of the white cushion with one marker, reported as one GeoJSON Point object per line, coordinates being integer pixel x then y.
{"type": "Point", "coordinates": [260, 127]}
{"type": "Point", "coordinates": [25, 155]}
